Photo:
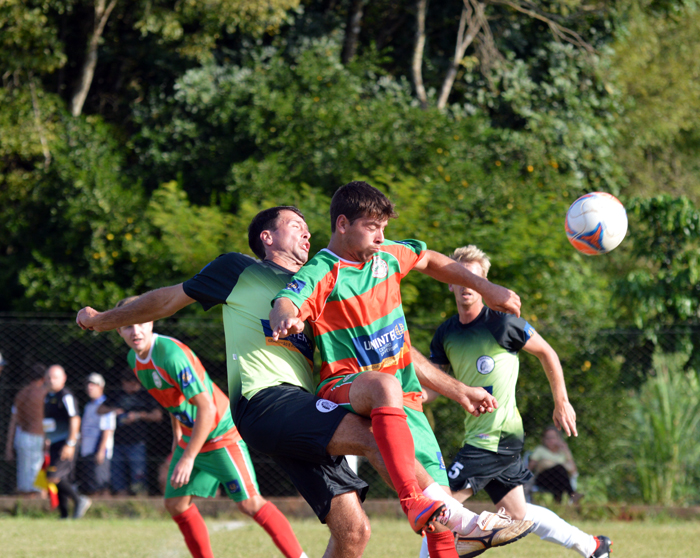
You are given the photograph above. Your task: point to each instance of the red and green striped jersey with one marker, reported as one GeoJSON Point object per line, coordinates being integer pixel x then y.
{"type": "Point", "coordinates": [356, 313]}
{"type": "Point", "coordinates": [173, 375]}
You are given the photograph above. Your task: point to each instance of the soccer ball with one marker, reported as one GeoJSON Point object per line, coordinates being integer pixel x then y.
{"type": "Point", "coordinates": [596, 223]}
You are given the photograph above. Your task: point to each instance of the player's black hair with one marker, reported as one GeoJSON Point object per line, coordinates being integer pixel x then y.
{"type": "Point", "coordinates": [358, 199]}
{"type": "Point", "coordinates": [266, 220]}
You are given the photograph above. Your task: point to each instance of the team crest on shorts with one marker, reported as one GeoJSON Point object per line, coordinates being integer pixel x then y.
{"type": "Point", "coordinates": [380, 269]}
{"type": "Point", "coordinates": [233, 486]}
{"type": "Point", "coordinates": [325, 406]}
{"type": "Point", "coordinates": [485, 365]}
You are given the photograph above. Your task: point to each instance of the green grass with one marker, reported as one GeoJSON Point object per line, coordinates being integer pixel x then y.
{"type": "Point", "coordinates": [160, 538]}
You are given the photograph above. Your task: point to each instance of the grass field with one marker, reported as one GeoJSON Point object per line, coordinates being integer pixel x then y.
{"type": "Point", "coordinates": [160, 538]}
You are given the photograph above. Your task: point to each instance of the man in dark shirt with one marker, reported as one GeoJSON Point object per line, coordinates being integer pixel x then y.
{"type": "Point", "coordinates": [61, 426]}
{"type": "Point", "coordinates": [135, 408]}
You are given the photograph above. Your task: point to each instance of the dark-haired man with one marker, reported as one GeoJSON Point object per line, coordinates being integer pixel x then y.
{"type": "Point", "coordinates": [350, 293]}
{"type": "Point", "coordinates": [273, 378]}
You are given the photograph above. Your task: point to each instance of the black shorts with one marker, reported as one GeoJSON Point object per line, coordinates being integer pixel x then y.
{"type": "Point", "coordinates": [481, 469]}
{"type": "Point", "coordinates": [58, 469]}
{"type": "Point", "coordinates": [294, 427]}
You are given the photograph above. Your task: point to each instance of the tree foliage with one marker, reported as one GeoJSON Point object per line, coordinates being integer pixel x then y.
{"type": "Point", "coordinates": [661, 282]}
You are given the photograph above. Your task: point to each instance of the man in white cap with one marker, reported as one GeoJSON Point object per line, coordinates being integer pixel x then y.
{"type": "Point", "coordinates": [96, 440]}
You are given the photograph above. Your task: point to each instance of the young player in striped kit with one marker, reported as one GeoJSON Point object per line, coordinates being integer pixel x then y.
{"type": "Point", "coordinates": [350, 294]}
{"type": "Point", "coordinates": [207, 449]}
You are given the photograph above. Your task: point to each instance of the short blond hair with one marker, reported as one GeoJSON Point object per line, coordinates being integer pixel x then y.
{"type": "Point", "coordinates": [471, 254]}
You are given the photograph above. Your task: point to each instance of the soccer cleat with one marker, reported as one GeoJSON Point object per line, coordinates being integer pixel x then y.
{"type": "Point", "coordinates": [603, 547]}
{"type": "Point", "coordinates": [81, 507]}
{"type": "Point", "coordinates": [492, 529]}
{"type": "Point", "coordinates": [421, 510]}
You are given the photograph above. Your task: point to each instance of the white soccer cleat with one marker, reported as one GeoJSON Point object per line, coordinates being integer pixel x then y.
{"type": "Point", "coordinates": [492, 529]}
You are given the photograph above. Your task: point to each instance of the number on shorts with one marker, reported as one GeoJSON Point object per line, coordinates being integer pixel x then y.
{"type": "Point", "coordinates": [455, 470]}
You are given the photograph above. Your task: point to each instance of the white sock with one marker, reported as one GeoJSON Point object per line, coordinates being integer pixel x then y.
{"type": "Point", "coordinates": [460, 519]}
{"type": "Point", "coordinates": [424, 549]}
{"type": "Point", "coordinates": [552, 528]}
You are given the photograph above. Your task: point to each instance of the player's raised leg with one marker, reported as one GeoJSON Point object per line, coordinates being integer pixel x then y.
{"type": "Point", "coordinates": [380, 397]}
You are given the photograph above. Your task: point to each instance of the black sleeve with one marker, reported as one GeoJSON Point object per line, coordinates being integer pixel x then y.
{"type": "Point", "coordinates": [214, 283]}
{"type": "Point", "coordinates": [509, 331]}
{"type": "Point", "coordinates": [437, 350]}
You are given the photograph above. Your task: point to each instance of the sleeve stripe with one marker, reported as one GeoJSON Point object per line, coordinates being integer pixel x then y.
{"type": "Point", "coordinates": [69, 404]}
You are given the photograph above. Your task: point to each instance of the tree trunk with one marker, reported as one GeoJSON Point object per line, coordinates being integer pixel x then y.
{"type": "Point", "coordinates": [37, 123]}
{"type": "Point", "coordinates": [352, 31]}
{"type": "Point", "coordinates": [417, 64]}
{"type": "Point", "coordinates": [102, 14]}
{"type": "Point", "coordinates": [469, 26]}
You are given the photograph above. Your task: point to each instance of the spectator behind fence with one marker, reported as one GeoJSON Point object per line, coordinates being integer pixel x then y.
{"type": "Point", "coordinates": [96, 440]}
{"type": "Point", "coordinates": [553, 465]}
{"type": "Point", "coordinates": [25, 433]}
{"type": "Point", "coordinates": [135, 408]}
{"type": "Point", "coordinates": [3, 363]}
{"type": "Point", "coordinates": [62, 426]}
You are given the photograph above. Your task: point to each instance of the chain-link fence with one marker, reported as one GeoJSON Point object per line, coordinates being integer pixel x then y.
{"type": "Point", "coordinates": [604, 370]}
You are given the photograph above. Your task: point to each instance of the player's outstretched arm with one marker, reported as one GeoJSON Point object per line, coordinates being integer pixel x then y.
{"type": "Point", "coordinates": [283, 319]}
{"type": "Point", "coordinates": [149, 307]}
{"type": "Point", "coordinates": [564, 416]}
{"type": "Point", "coordinates": [442, 268]}
{"type": "Point", "coordinates": [474, 400]}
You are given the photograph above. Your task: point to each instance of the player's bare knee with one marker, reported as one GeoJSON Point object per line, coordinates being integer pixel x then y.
{"type": "Point", "coordinates": [384, 390]}
{"type": "Point", "coordinates": [176, 506]}
{"type": "Point", "coordinates": [252, 505]}
{"type": "Point", "coordinates": [353, 535]}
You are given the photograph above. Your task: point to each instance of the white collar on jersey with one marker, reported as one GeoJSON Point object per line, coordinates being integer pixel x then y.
{"type": "Point", "coordinates": [341, 259]}
{"type": "Point", "coordinates": [150, 351]}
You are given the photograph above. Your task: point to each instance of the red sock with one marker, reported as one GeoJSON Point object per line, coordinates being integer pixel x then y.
{"type": "Point", "coordinates": [442, 545]}
{"type": "Point", "coordinates": [395, 443]}
{"type": "Point", "coordinates": [277, 526]}
{"type": "Point", "coordinates": [195, 532]}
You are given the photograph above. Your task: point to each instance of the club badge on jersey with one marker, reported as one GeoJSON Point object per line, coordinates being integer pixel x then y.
{"type": "Point", "coordinates": [380, 269]}
{"type": "Point", "coordinates": [186, 376]}
{"type": "Point", "coordinates": [295, 286]}
{"type": "Point", "coordinates": [485, 364]}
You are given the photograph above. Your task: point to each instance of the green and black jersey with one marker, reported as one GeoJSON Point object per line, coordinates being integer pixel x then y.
{"type": "Point", "coordinates": [484, 353]}
{"type": "Point", "coordinates": [245, 287]}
